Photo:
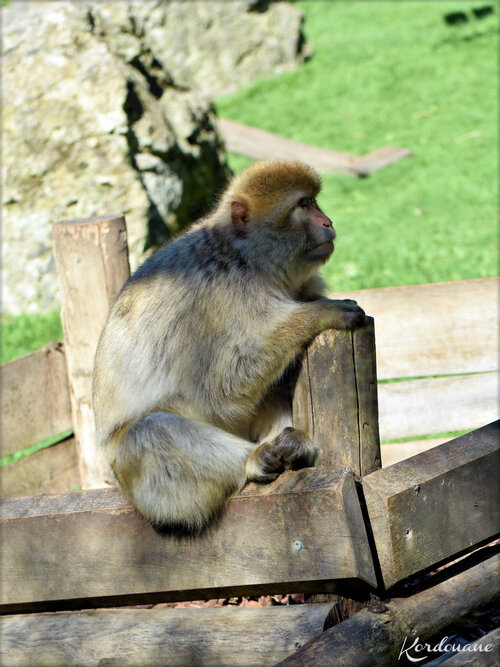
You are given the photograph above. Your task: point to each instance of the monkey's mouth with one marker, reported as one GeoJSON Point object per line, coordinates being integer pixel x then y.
{"type": "Point", "coordinates": [321, 251]}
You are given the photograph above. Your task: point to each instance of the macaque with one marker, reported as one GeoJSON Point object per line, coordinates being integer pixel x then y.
{"type": "Point", "coordinates": [190, 386]}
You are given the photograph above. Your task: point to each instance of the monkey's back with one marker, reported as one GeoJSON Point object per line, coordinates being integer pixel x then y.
{"type": "Point", "coordinates": [195, 299]}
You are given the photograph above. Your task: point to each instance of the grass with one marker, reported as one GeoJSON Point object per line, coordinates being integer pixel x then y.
{"type": "Point", "coordinates": [22, 334]}
{"type": "Point", "coordinates": [27, 451]}
{"type": "Point", "coordinates": [388, 73]}
{"type": "Point", "coordinates": [382, 73]}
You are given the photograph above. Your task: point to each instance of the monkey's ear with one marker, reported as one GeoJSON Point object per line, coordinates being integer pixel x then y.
{"type": "Point", "coordinates": [239, 214]}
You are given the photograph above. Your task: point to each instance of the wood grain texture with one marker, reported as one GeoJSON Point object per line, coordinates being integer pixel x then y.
{"type": "Point", "coordinates": [92, 265]}
{"type": "Point", "coordinates": [34, 401]}
{"type": "Point", "coordinates": [180, 637]}
{"type": "Point", "coordinates": [302, 533]}
{"type": "Point", "coordinates": [335, 398]}
{"type": "Point", "coordinates": [435, 329]}
{"type": "Point", "coordinates": [376, 637]}
{"type": "Point", "coordinates": [435, 505]}
{"type": "Point", "coordinates": [436, 405]}
{"type": "Point", "coordinates": [51, 470]}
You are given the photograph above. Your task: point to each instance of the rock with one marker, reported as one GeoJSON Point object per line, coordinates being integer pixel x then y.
{"type": "Point", "coordinates": [214, 47]}
{"type": "Point", "coordinates": [86, 134]}
{"type": "Point", "coordinates": [101, 115]}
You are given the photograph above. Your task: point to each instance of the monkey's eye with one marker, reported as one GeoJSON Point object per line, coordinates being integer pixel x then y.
{"type": "Point", "coordinates": [305, 202]}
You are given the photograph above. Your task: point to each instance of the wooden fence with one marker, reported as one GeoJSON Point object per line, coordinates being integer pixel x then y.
{"type": "Point", "coordinates": [438, 341]}
{"type": "Point", "coordinates": [346, 526]}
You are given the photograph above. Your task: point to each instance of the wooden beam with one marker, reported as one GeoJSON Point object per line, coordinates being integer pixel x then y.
{"type": "Point", "coordinates": [261, 145]}
{"type": "Point", "coordinates": [34, 401]}
{"type": "Point", "coordinates": [92, 549]}
{"type": "Point", "coordinates": [399, 451]}
{"type": "Point", "coordinates": [436, 329]}
{"type": "Point", "coordinates": [180, 637]}
{"type": "Point", "coordinates": [376, 635]}
{"type": "Point", "coordinates": [335, 398]}
{"type": "Point", "coordinates": [435, 405]}
{"type": "Point", "coordinates": [51, 470]}
{"type": "Point", "coordinates": [484, 652]}
{"type": "Point", "coordinates": [435, 505]}
{"type": "Point", "coordinates": [92, 265]}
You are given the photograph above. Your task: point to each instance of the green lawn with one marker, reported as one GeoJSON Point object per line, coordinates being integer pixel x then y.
{"type": "Point", "coordinates": [382, 73]}
{"type": "Point", "coordinates": [389, 73]}
{"type": "Point", "coordinates": [23, 334]}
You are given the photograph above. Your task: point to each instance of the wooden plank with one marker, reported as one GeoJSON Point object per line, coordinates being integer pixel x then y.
{"type": "Point", "coordinates": [399, 451]}
{"type": "Point", "coordinates": [51, 470]}
{"type": "Point", "coordinates": [261, 145]}
{"type": "Point", "coordinates": [91, 548]}
{"type": "Point", "coordinates": [380, 158]}
{"type": "Point", "coordinates": [180, 637]}
{"type": "Point", "coordinates": [34, 401]}
{"type": "Point", "coordinates": [484, 652]}
{"type": "Point", "coordinates": [377, 634]}
{"type": "Point", "coordinates": [436, 329]}
{"type": "Point", "coordinates": [92, 265]}
{"type": "Point", "coordinates": [435, 505]}
{"type": "Point", "coordinates": [335, 399]}
{"type": "Point", "coordinates": [435, 405]}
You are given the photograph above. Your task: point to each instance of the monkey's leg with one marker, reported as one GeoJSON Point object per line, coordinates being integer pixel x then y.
{"type": "Point", "coordinates": [178, 471]}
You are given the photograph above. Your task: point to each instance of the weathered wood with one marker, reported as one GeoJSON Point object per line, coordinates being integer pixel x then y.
{"type": "Point", "coordinates": [433, 405]}
{"type": "Point", "coordinates": [261, 145]}
{"type": "Point", "coordinates": [92, 265]}
{"type": "Point", "coordinates": [380, 158]}
{"type": "Point", "coordinates": [484, 652]}
{"type": "Point", "coordinates": [91, 548]}
{"type": "Point", "coordinates": [376, 637]}
{"type": "Point", "coordinates": [51, 470]}
{"type": "Point", "coordinates": [180, 637]}
{"type": "Point", "coordinates": [34, 401]}
{"type": "Point", "coordinates": [335, 399]}
{"type": "Point", "coordinates": [435, 329]}
{"type": "Point", "coordinates": [435, 505]}
{"type": "Point", "coordinates": [399, 451]}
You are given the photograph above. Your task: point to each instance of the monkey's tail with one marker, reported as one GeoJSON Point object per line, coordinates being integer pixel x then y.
{"type": "Point", "coordinates": [179, 472]}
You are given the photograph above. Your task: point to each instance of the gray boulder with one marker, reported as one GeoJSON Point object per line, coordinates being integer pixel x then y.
{"type": "Point", "coordinates": [100, 116]}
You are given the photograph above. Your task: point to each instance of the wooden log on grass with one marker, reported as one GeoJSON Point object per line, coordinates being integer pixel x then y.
{"type": "Point", "coordinates": [435, 505]}
{"type": "Point", "coordinates": [302, 533]}
{"type": "Point", "coordinates": [92, 265]}
{"type": "Point", "coordinates": [180, 637]}
{"type": "Point", "coordinates": [377, 635]}
{"type": "Point", "coordinates": [335, 399]}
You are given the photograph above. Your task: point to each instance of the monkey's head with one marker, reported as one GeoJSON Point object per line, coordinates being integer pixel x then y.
{"type": "Point", "coordinates": [273, 206]}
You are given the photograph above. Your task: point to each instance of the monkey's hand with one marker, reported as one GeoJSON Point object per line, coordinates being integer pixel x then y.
{"type": "Point", "coordinates": [291, 449]}
{"type": "Point", "coordinates": [339, 313]}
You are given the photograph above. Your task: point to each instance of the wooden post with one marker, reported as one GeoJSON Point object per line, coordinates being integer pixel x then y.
{"type": "Point", "coordinates": [92, 264]}
{"type": "Point", "coordinates": [335, 398]}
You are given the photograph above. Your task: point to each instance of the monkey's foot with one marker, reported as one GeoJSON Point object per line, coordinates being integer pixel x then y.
{"type": "Point", "coordinates": [291, 449]}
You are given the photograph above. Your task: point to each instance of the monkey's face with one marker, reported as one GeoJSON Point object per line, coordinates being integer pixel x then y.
{"type": "Point", "coordinates": [317, 229]}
